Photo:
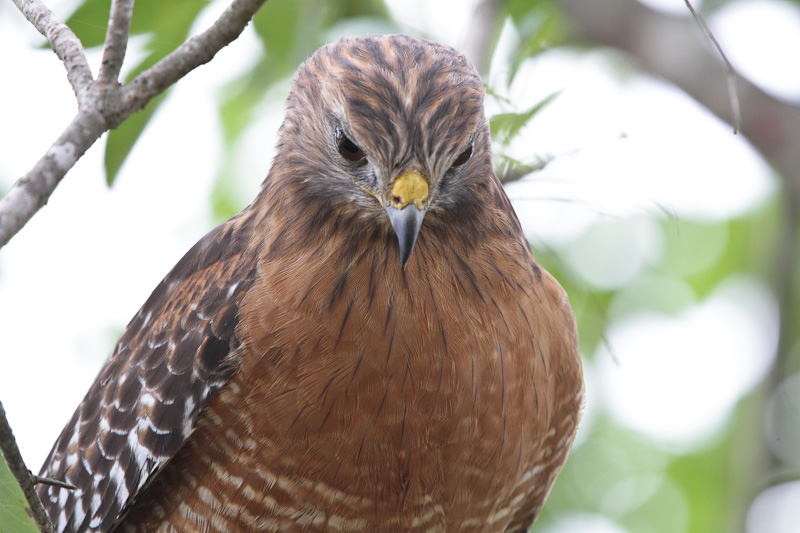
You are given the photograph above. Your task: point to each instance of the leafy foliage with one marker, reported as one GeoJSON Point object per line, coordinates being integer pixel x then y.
{"type": "Point", "coordinates": [540, 26]}
{"type": "Point", "coordinates": [15, 514]}
{"type": "Point", "coordinates": [506, 126]}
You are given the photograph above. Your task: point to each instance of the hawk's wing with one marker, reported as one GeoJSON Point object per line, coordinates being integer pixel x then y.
{"type": "Point", "coordinates": [170, 360]}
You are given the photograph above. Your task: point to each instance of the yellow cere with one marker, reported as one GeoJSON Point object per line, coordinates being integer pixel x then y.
{"type": "Point", "coordinates": [410, 187]}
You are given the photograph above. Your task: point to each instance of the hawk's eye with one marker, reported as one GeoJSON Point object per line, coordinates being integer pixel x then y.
{"type": "Point", "coordinates": [348, 148]}
{"type": "Point", "coordinates": [463, 158]}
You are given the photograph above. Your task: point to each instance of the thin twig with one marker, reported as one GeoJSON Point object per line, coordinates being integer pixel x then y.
{"type": "Point", "coordinates": [119, 26]}
{"type": "Point", "coordinates": [14, 460]}
{"type": "Point", "coordinates": [730, 73]}
{"type": "Point", "coordinates": [39, 480]}
{"type": "Point", "coordinates": [191, 54]}
{"type": "Point", "coordinates": [64, 42]}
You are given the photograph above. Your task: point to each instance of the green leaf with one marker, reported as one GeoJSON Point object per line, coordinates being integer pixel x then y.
{"type": "Point", "coordinates": [239, 100]}
{"type": "Point", "coordinates": [540, 26]}
{"type": "Point", "coordinates": [89, 22]}
{"type": "Point", "coordinates": [705, 253]}
{"type": "Point", "coordinates": [168, 24]}
{"type": "Point", "coordinates": [224, 202]}
{"type": "Point", "coordinates": [15, 514]}
{"type": "Point", "coordinates": [121, 141]}
{"type": "Point", "coordinates": [490, 91]}
{"type": "Point", "coordinates": [717, 479]}
{"type": "Point", "coordinates": [505, 126]}
{"type": "Point", "coordinates": [338, 11]}
{"type": "Point", "coordinates": [289, 32]}
{"type": "Point", "coordinates": [509, 169]}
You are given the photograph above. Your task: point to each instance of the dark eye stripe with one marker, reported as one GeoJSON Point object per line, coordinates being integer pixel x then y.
{"type": "Point", "coordinates": [348, 148]}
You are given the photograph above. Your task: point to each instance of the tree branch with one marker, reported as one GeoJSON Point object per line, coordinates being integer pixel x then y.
{"type": "Point", "coordinates": [15, 462]}
{"type": "Point", "coordinates": [64, 42]}
{"type": "Point", "coordinates": [103, 106]}
{"type": "Point", "coordinates": [194, 52]}
{"type": "Point", "coordinates": [31, 192]}
{"type": "Point", "coordinates": [119, 26]}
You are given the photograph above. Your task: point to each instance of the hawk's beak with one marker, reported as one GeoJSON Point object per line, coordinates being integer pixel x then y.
{"type": "Point", "coordinates": [406, 210]}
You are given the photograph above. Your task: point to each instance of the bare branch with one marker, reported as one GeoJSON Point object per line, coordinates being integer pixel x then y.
{"type": "Point", "coordinates": [17, 466]}
{"type": "Point", "coordinates": [194, 52]}
{"type": "Point", "coordinates": [64, 42]}
{"type": "Point", "coordinates": [104, 106]}
{"type": "Point", "coordinates": [119, 26]}
{"type": "Point", "coordinates": [31, 192]}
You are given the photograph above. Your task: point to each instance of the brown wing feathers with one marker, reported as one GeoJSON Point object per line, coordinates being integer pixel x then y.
{"type": "Point", "coordinates": [172, 357]}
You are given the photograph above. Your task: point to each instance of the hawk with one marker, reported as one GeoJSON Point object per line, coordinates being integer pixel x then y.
{"type": "Point", "coordinates": [368, 346]}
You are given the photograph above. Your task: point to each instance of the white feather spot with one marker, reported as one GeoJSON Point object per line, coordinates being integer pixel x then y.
{"type": "Point", "coordinates": [156, 430]}
{"type": "Point", "coordinates": [62, 497]}
{"type": "Point", "coordinates": [102, 451]}
{"type": "Point", "coordinates": [78, 514]}
{"type": "Point", "coordinates": [139, 452]}
{"type": "Point", "coordinates": [147, 399]}
{"type": "Point", "coordinates": [73, 440]}
{"type": "Point", "coordinates": [232, 289]}
{"type": "Point", "coordinates": [117, 475]}
{"type": "Point", "coordinates": [530, 473]}
{"type": "Point", "coordinates": [153, 345]}
{"type": "Point", "coordinates": [86, 465]}
{"type": "Point", "coordinates": [95, 505]}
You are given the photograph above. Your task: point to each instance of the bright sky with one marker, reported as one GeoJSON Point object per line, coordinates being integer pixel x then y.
{"type": "Point", "coordinates": [625, 150]}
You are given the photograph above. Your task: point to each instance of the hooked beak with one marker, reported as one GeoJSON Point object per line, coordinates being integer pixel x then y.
{"type": "Point", "coordinates": [406, 223]}
{"type": "Point", "coordinates": [407, 209]}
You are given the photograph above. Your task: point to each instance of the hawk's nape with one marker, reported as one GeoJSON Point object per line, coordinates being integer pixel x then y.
{"type": "Point", "coordinates": [369, 346]}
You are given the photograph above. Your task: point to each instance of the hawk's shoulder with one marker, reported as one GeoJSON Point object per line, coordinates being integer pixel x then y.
{"type": "Point", "coordinates": [170, 360]}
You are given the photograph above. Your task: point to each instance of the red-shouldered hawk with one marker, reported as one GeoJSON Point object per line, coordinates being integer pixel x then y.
{"type": "Point", "coordinates": [368, 346]}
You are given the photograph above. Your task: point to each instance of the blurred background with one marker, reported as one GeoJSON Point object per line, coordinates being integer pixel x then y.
{"type": "Point", "coordinates": [675, 238]}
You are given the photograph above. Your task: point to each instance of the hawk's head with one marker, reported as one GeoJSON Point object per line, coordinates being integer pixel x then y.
{"type": "Point", "coordinates": [392, 126]}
